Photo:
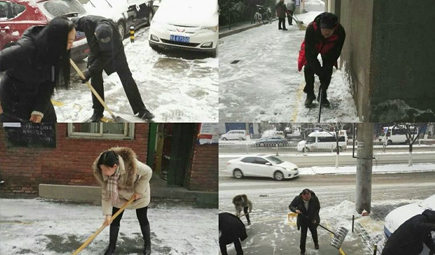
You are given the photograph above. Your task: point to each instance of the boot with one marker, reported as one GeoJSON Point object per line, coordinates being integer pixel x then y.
{"type": "Point", "coordinates": [96, 116]}
{"type": "Point", "coordinates": [147, 239]}
{"type": "Point", "coordinates": [145, 114]}
{"type": "Point", "coordinates": [114, 230]}
{"type": "Point", "coordinates": [310, 99]}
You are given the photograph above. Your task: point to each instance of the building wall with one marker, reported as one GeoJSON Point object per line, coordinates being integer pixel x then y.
{"type": "Point", "coordinates": [402, 64]}
{"type": "Point", "coordinates": [357, 19]}
{"type": "Point", "coordinates": [23, 169]}
{"type": "Point", "coordinates": [203, 174]}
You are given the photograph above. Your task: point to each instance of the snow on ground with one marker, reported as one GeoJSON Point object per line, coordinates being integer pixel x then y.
{"type": "Point", "coordinates": [35, 226]}
{"type": "Point", "coordinates": [175, 89]}
{"type": "Point", "coordinates": [259, 80]}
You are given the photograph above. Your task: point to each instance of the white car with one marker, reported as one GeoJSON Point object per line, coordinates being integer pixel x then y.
{"type": "Point", "coordinates": [187, 25]}
{"type": "Point", "coordinates": [401, 214]}
{"type": "Point", "coordinates": [234, 135]}
{"type": "Point", "coordinates": [262, 166]}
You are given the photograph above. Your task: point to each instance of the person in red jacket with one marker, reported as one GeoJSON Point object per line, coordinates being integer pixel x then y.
{"type": "Point", "coordinates": [324, 36]}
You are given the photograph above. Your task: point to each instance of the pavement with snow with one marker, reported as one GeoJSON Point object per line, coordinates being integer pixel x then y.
{"type": "Point", "coordinates": [175, 87]}
{"type": "Point", "coordinates": [37, 226]}
{"type": "Point", "coordinates": [265, 85]}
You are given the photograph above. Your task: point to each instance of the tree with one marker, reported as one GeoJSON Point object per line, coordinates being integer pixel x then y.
{"type": "Point", "coordinates": [413, 131]}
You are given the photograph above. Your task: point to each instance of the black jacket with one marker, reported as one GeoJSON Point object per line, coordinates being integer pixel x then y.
{"type": "Point", "coordinates": [315, 43]}
{"type": "Point", "coordinates": [108, 57]}
{"type": "Point", "coordinates": [306, 217]}
{"type": "Point", "coordinates": [28, 82]}
{"type": "Point", "coordinates": [408, 239]}
{"type": "Point", "coordinates": [231, 228]}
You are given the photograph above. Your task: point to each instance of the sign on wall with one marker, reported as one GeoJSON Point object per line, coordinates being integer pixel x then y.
{"type": "Point", "coordinates": [30, 134]}
{"type": "Point", "coordinates": [208, 133]}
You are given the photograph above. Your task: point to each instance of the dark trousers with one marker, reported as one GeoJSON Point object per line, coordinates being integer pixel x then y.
{"type": "Point", "coordinates": [129, 85]}
{"type": "Point", "coordinates": [290, 17]}
{"type": "Point", "coordinates": [304, 231]}
{"type": "Point", "coordinates": [309, 79]}
{"type": "Point", "coordinates": [245, 209]}
{"type": "Point", "coordinates": [237, 245]}
{"type": "Point", "coordinates": [281, 21]}
{"type": "Point", "coordinates": [141, 214]}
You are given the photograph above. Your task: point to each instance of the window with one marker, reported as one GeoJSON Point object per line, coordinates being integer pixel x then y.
{"type": "Point", "coordinates": [115, 131]}
{"type": "Point", "coordinates": [260, 161]}
{"type": "Point", "coordinates": [274, 160]}
{"type": "Point", "coordinates": [248, 160]}
{"type": "Point", "coordinates": [10, 10]}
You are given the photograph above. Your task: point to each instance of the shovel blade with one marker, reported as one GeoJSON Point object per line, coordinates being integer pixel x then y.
{"type": "Point", "coordinates": [339, 237]}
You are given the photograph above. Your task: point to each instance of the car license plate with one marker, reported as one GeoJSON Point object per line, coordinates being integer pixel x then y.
{"type": "Point", "coordinates": [179, 38]}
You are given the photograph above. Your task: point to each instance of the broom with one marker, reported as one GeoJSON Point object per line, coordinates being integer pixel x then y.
{"type": "Point", "coordinates": [103, 226]}
{"type": "Point", "coordinates": [300, 24]}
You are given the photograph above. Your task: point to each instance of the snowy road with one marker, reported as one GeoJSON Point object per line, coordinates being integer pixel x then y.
{"type": "Point", "coordinates": [270, 233]}
{"type": "Point", "coordinates": [175, 89]}
{"type": "Point", "coordinates": [259, 80]}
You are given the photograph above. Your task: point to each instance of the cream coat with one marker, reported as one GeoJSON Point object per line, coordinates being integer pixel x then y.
{"type": "Point", "coordinates": [134, 178]}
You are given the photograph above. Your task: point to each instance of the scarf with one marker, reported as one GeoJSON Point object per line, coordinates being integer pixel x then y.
{"type": "Point", "coordinates": [112, 186]}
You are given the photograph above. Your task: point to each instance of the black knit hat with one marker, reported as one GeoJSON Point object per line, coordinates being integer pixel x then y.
{"type": "Point", "coordinates": [328, 20]}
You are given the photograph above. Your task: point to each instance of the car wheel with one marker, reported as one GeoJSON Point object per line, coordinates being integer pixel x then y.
{"type": "Point", "coordinates": [389, 142]}
{"type": "Point", "coordinates": [121, 28]}
{"type": "Point", "coordinates": [278, 175]}
{"type": "Point", "coordinates": [305, 149]}
{"type": "Point", "coordinates": [238, 174]}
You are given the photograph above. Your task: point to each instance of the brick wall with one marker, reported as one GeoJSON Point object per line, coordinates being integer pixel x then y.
{"type": "Point", "coordinates": [203, 174]}
{"type": "Point", "coordinates": [23, 169]}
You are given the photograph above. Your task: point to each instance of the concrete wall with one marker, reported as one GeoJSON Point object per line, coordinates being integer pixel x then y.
{"type": "Point", "coordinates": [403, 61]}
{"type": "Point", "coordinates": [356, 18]}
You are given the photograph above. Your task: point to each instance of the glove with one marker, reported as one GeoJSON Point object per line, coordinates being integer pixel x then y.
{"type": "Point", "coordinates": [87, 76]}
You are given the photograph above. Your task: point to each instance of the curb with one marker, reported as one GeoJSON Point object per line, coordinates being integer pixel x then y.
{"type": "Point", "coordinates": [237, 30]}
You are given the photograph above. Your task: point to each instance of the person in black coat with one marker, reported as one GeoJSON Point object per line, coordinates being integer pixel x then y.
{"type": "Point", "coordinates": [34, 66]}
{"type": "Point", "coordinates": [307, 206]}
{"type": "Point", "coordinates": [324, 36]}
{"type": "Point", "coordinates": [107, 53]}
{"type": "Point", "coordinates": [408, 239]}
{"type": "Point", "coordinates": [231, 230]}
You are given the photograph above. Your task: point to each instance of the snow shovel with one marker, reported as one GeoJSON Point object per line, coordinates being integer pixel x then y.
{"type": "Point", "coordinates": [103, 226]}
{"type": "Point", "coordinates": [115, 118]}
{"type": "Point", "coordinates": [319, 96]}
{"type": "Point", "coordinates": [339, 235]}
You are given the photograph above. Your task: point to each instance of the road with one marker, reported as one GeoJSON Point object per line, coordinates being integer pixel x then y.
{"type": "Point", "coordinates": [345, 159]}
{"type": "Point", "coordinates": [271, 234]}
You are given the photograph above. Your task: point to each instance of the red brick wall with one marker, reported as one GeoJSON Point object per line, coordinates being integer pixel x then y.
{"type": "Point", "coordinates": [23, 169]}
{"type": "Point", "coordinates": [203, 173]}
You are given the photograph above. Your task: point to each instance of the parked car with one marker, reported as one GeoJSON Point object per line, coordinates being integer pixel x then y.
{"type": "Point", "coordinates": [234, 135]}
{"type": "Point", "coordinates": [271, 141]}
{"type": "Point", "coordinates": [185, 25]}
{"type": "Point", "coordinates": [398, 216]}
{"type": "Point", "coordinates": [323, 141]}
{"type": "Point", "coordinates": [18, 15]}
{"type": "Point", "coordinates": [125, 13]}
{"type": "Point", "coordinates": [262, 166]}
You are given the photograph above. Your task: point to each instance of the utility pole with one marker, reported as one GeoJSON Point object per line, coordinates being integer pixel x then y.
{"type": "Point", "coordinates": [364, 167]}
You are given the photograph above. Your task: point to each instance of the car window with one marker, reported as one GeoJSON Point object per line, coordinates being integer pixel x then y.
{"type": "Point", "coordinates": [260, 161]}
{"type": "Point", "coordinates": [311, 139]}
{"type": "Point", "coordinates": [10, 10]}
{"type": "Point", "coordinates": [248, 160]}
{"type": "Point", "coordinates": [274, 160]}
{"type": "Point", "coordinates": [56, 8]}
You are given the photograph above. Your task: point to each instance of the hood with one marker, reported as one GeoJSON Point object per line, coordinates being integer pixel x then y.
{"type": "Point", "coordinates": [430, 215]}
{"type": "Point", "coordinates": [288, 165]}
{"type": "Point", "coordinates": [127, 164]}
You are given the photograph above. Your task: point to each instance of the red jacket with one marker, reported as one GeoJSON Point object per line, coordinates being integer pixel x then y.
{"type": "Point", "coordinates": [329, 48]}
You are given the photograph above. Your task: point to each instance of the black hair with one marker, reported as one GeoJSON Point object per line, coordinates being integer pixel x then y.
{"type": "Point", "coordinates": [108, 158]}
{"type": "Point", "coordinates": [306, 191]}
{"type": "Point", "coordinates": [52, 44]}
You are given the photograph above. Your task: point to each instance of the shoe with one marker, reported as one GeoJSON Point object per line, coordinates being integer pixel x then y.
{"type": "Point", "coordinates": [285, 29]}
{"type": "Point", "coordinates": [112, 241]}
{"type": "Point", "coordinates": [279, 28]}
{"type": "Point", "coordinates": [316, 246]}
{"type": "Point", "coordinates": [96, 116]}
{"type": "Point", "coordinates": [302, 253]}
{"type": "Point", "coordinates": [249, 223]}
{"type": "Point", "coordinates": [310, 99]}
{"type": "Point", "coordinates": [146, 232]}
{"type": "Point", "coordinates": [325, 102]}
{"type": "Point", "coordinates": [145, 114]}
